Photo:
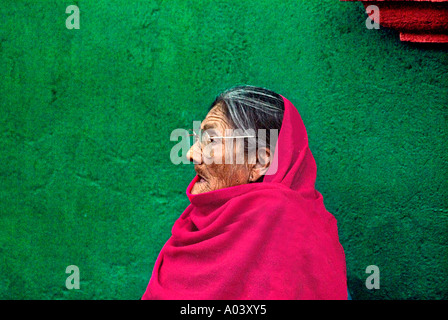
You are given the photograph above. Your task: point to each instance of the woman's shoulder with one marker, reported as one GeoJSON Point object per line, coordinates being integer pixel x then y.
{"type": "Point", "coordinates": [276, 191]}
{"type": "Point", "coordinates": [275, 195]}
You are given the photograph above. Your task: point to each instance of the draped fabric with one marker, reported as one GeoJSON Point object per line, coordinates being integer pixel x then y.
{"type": "Point", "coordinates": [259, 241]}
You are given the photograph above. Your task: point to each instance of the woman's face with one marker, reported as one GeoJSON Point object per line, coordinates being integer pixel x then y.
{"type": "Point", "coordinates": [215, 173]}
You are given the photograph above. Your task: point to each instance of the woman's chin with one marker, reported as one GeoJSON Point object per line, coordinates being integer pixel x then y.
{"type": "Point", "coordinates": [200, 187]}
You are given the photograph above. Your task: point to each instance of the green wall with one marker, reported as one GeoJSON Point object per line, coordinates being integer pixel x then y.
{"type": "Point", "coordinates": [86, 116]}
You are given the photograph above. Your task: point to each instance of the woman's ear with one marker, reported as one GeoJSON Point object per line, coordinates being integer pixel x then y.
{"type": "Point", "coordinates": [261, 165]}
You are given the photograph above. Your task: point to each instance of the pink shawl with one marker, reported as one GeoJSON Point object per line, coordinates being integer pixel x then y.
{"type": "Point", "coordinates": [257, 241]}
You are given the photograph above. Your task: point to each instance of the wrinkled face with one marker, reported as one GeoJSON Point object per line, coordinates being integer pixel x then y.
{"type": "Point", "coordinates": [215, 173]}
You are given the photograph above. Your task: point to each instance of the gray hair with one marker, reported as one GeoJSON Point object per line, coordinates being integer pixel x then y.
{"type": "Point", "coordinates": [250, 108]}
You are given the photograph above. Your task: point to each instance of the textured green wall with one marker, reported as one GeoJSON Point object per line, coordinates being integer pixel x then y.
{"type": "Point", "coordinates": [86, 115]}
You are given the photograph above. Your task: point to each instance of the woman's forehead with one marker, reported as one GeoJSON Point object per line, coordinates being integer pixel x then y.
{"type": "Point", "coordinates": [216, 119]}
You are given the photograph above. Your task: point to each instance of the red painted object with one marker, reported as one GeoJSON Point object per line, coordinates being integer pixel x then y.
{"type": "Point", "coordinates": [416, 20]}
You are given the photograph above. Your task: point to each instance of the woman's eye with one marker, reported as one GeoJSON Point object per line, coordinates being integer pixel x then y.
{"type": "Point", "coordinates": [213, 139]}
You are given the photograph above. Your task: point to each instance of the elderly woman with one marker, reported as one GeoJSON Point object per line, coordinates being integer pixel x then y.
{"type": "Point", "coordinates": [256, 229]}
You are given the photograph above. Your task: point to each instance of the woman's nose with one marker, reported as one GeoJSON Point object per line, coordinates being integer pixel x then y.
{"type": "Point", "coordinates": [195, 154]}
